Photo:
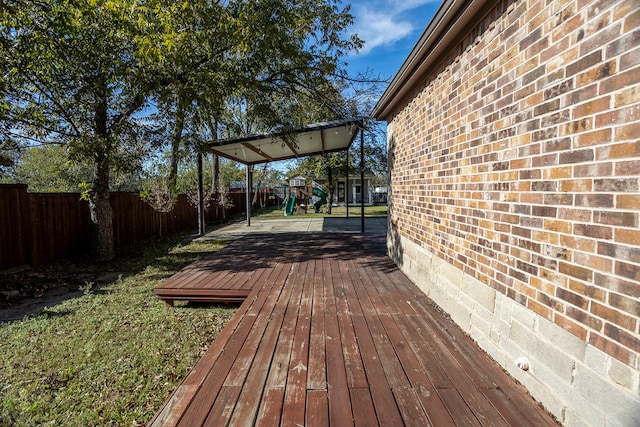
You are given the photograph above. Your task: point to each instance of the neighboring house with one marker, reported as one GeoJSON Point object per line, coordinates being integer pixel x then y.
{"type": "Point", "coordinates": [354, 189]}
{"type": "Point", "coordinates": [514, 156]}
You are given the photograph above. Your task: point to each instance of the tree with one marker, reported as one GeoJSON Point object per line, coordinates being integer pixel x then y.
{"type": "Point", "coordinates": [81, 73]}
{"type": "Point", "coordinates": [47, 169]}
{"type": "Point", "coordinates": [270, 61]}
{"type": "Point", "coordinates": [74, 75]}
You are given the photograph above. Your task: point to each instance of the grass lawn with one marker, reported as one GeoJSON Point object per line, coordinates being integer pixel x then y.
{"type": "Point", "coordinates": [112, 356]}
{"type": "Point", "coordinates": [339, 211]}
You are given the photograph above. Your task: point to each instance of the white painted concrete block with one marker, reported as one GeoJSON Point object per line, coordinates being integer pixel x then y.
{"type": "Point", "coordinates": [563, 340]}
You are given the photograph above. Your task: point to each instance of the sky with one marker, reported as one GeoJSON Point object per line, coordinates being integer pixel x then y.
{"type": "Point", "coordinates": [390, 29]}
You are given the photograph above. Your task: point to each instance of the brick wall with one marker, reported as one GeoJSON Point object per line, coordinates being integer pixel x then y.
{"type": "Point", "coordinates": [517, 164]}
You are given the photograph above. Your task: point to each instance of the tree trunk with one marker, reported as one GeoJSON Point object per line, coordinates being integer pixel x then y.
{"type": "Point", "coordinates": [101, 213]}
{"type": "Point", "coordinates": [176, 139]}
{"type": "Point", "coordinates": [215, 186]}
{"type": "Point", "coordinates": [99, 198]}
{"type": "Point", "coordinates": [254, 202]}
{"type": "Point", "coordinates": [330, 197]}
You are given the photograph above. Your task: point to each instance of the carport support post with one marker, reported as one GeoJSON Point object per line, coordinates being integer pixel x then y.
{"type": "Point", "coordinates": [201, 221]}
{"type": "Point", "coordinates": [346, 185]}
{"type": "Point", "coordinates": [362, 180]}
{"type": "Point", "coordinates": [248, 195]}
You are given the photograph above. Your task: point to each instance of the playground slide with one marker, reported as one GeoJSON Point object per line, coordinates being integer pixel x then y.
{"type": "Point", "coordinates": [289, 205]}
{"type": "Point", "coordinates": [323, 199]}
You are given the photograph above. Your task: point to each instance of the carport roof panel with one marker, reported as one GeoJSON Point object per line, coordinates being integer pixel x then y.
{"type": "Point", "coordinates": [314, 139]}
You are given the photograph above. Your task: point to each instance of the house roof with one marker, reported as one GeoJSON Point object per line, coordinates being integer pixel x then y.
{"type": "Point", "coordinates": [449, 24]}
{"type": "Point", "coordinates": [309, 140]}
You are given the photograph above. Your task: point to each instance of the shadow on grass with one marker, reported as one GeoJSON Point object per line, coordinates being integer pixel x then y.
{"type": "Point", "coordinates": [48, 313]}
{"type": "Point", "coordinates": [163, 258]}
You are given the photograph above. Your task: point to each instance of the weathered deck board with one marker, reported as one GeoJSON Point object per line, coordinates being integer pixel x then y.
{"type": "Point", "coordinates": [332, 333]}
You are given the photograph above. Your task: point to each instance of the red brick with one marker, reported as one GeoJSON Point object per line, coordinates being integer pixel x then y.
{"type": "Point", "coordinates": [619, 81]}
{"type": "Point", "coordinates": [620, 116]}
{"type": "Point", "coordinates": [613, 316]}
{"type": "Point", "coordinates": [584, 62]}
{"type": "Point", "coordinates": [632, 22]}
{"type": "Point", "coordinates": [592, 107]}
{"type": "Point", "coordinates": [571, 326]}
{"type": "Point", "coordinates": [628, 270]}
{"type": "Point", "coordinates": [550, 301]}
{"type": "Point", "coordinates": [578, 243]}
{"type": "Point", "coordinates": [545, 237]}
{"type": "Point", "coordinates": [595, 231]}
{"type": "Point", "coordinates": [631, 168]}
{"type": "Point", "coordinates": [530, 39]}
{"type": "Point", "coordinates": [576, 185]}
{"type": "Point", "coordinates": [578, 126]}
{"type": "Point", "coordinates": [584, 94]}
{"type": "Point", "coordinates": [544, 186]}
{"type": "Point", "coordinates": [558, 199]}
{"type": "Point", "coordinates": [616, 185]}
{"type": "Point", "coordinates": [619, 151]}
{"type": "Point", "coordinates": [629, 340]}
{"type": "Point", "coordinates": [618, 284]}
{"type": "Point", "coordinates": [596, 137]}
{"type": "Point", "coordinates": [557, 145]}
{"type": "Point", "coordinates": [628, 201]}
{"type": "Point", "coordinates": [626, 305]}
{"type": "Point", "coordinates": [622, 9]}
{"type": "Point", "coordinates": [598, 73]}
{"type": "Point", "coordinates": [604, 31]}
{"type": "Point", "coordinates": [540, 309]}
{"type": "Point", "coordinates": [557, 226]}
{"type": "Point", "coordinates": [593, 262]}
{"type": "Point", "coordinates": [623, 252]}
{"type": "Point", "coordinates": [580, 273]}
{"type": "Point", "coordinates": [592, 170]}
{"type": "Point", "coordinates": [626, 43]}
{"type": "Point", "coordinates": [572, 298]}
{"type": "Point", "coordinates": [612, 348]}
{"type": "Point", "coordinates": [577, 156]}
{"type": "Point", "coordinates": [630, 59]}
{"type": "Point", "coordinates": [620, 219]}
{"type": "Point", "coordinates": [547, 107]}
{"type": "Point", "coordinates": [573, 214]}
{"type": "Point", "coordinates": [628, 96]}
{"type": "Point", "coordinates": [628, 236]}
{"type": "Point", "coordinates": [587, 290]}
{"type": "Point", "coordinates": [534, 75]}
{"type": "Point", "coordinates": [584, 318]}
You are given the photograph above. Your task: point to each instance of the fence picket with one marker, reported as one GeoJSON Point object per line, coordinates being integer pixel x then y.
{"type": "Point", "coordinates": [36, 228]}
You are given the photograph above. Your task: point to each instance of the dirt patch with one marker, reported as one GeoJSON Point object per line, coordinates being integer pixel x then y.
{"type": "Point", "coordinates": [26, 291]}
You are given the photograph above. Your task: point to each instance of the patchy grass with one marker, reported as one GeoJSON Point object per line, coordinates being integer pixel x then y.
{"type": "Point", "coordinates": [110, 357]}
{"type": "Point", "coordinates": [369, 211]}
{"type": "Point", "coordinates": [337, 211]}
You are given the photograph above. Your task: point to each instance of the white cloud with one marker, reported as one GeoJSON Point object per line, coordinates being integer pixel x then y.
{"type": "Point", "coordinates": [378, 29]}
{"type": "Point", "coordinates": [399, 6]}
{"type": "Point", "coordinates": [383, 23]}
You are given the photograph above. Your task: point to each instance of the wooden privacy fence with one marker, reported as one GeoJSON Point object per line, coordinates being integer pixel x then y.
{"type": "Point", "coordinates": [36, 228]}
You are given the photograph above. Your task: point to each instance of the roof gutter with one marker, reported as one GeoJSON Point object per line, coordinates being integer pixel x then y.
{"type": "Point", "coordinates": [448, 26]}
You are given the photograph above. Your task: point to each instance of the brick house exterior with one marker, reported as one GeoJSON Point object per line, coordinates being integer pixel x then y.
{"type": "Point", "coordinates": [514, 157]}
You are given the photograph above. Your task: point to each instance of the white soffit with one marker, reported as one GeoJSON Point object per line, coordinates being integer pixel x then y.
{"type": "Point", "coordinates": [319, 138]}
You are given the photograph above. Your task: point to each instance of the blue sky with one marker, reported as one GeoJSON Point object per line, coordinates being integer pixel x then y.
{"type": "Point", "coordinates": [390, 29]}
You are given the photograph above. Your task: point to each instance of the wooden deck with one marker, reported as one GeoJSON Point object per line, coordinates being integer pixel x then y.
{"type": "Point", "coordinates": [332, 333]}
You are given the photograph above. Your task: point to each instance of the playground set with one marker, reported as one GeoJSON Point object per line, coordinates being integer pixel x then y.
{"type": "Point", "coordinates": [299, 195]}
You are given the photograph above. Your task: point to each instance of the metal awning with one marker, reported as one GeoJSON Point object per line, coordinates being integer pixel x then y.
{"type": "Point", "coordinates": [319, 138]}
